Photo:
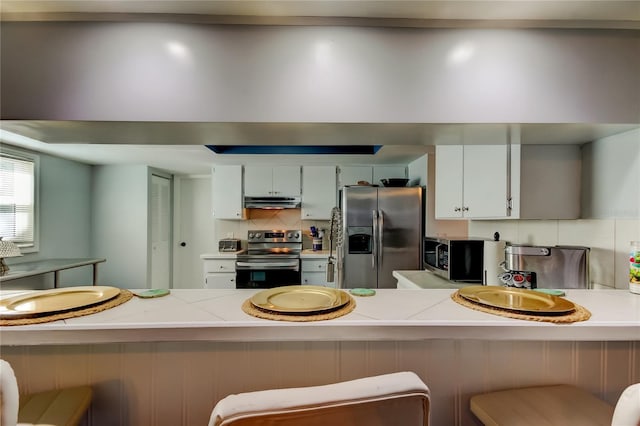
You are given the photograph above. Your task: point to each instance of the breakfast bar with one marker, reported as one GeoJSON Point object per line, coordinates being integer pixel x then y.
{"type": "Point", "coordinates": [390, 315]}
{"type": "Point", "coordinates": [201, 345]}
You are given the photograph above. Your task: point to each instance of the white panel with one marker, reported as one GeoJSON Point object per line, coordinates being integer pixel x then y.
{"type": "Point", "coordinates": [178, 383]}
{"type": "Point", "coordinates": [316, 74]}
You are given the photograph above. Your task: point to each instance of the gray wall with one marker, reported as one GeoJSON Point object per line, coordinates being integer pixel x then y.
{"type": "Point", "coordinates": [64, 222]}
{"type": "Point", "coordinates": [127, 71]}
{"type": "Point", "coordinates": [119, 229]}
{"type": "Point", "coordinates": [611, 179]}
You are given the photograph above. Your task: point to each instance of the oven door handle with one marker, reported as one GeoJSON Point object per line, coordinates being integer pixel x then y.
{"type": "Point", "coordinates": [270, 265]}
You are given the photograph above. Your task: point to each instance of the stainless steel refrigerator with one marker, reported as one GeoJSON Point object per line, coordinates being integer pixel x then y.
{"type": "Point", "coordinates": [382, 232]}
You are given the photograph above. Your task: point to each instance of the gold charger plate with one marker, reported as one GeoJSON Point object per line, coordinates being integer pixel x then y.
{"type": "Point", "coordinates": [516, 299]}
{"type": "Point", "coordinates": [56, 300]}
{"type": "Point", "coordinates": [298, 299]}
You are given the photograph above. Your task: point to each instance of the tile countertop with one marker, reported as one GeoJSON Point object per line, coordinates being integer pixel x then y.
{"type": "Point", "coordinates": [390, 315]}
{"type": "Point", "coordinates": [424, 280]}
{"type": "Point", "coordinates": [308, 253]}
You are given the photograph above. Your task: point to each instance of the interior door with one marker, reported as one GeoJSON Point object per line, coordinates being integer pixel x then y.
{"type": "Point", "coordinates": [160, 213]}
{"type": "Point", "coordinates": [195, 230]}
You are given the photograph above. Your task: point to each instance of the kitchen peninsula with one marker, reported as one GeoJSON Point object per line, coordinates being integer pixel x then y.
{"type": "Point", "coordinates": [390, 315]}
{"type": "Point", "coordinates": [201, 345]}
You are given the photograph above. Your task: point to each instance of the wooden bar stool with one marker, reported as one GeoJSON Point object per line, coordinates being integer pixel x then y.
{"type": "Point", "coordinates": [61, 407]}
{"type": "Point", "coordinates": [557, 405]}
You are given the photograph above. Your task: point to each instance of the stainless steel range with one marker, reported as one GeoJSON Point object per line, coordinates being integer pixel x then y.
{"type": "Point", "coordinates": [272, 259]}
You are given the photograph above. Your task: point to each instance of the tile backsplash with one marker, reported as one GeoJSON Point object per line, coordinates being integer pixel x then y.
{"type": "Point", "coordinates": [270, 219]}
{"type": "Point", "coordinates": [608, 239]}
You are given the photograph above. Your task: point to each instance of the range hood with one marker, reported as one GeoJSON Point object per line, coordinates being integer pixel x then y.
{"type": "Point", "coordinates": [272, 203]}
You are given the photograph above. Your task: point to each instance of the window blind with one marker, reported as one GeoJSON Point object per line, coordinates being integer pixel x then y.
{"type": "Point", "coordinates": [17, 199]}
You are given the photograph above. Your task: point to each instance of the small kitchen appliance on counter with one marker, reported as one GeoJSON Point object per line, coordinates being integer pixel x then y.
{"type": "Point", "coordinates": [455, 259]}
{"type": "Point", "coordinates": [554, 266]}
{"type": "Point", "coordinates": [229, 245]}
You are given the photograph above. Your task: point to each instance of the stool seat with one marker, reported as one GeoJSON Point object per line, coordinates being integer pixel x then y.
{"type": "Point", "coordinates": [386, 400]}
{"type": "Point", "coordinates": [63, 407]}
{"type": "Point", "coordinates": [557, 405]}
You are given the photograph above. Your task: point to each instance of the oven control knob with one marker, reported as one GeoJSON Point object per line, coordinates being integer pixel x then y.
{"type": "Point", "coordinates": [289, 235]}
{"type": "Point", "coordinates": [250, 235]}
{"type": "Point", "coordinates": [297, 235]}
{"type": "Point", "coordinates": [258, 235]}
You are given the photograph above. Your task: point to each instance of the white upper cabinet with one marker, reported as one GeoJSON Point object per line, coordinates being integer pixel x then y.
{"type": "Point", "coordinates": [318, 192]}
{"type": "Point", "coordinates": [473, 173]}
{"type": "Point", "coordinates": [226, 186]}
{"type": "Point", "coordinates": [471, 181]}
{"type": "Point", "coordinates": [493, 176]}
{"type": "Point", "coordinates": [272, 181]}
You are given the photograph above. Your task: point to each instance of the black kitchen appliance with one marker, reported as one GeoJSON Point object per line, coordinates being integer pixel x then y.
{"type": "Point", "coordinates": [455, 259]}
{"type": "Point", "coordinates": [272, 259]}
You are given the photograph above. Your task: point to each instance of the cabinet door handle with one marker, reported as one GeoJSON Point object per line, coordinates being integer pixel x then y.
{"type": "Point", "coordinates": [456, 209]}
{"type": "Point", "coordinates": [465, 209]}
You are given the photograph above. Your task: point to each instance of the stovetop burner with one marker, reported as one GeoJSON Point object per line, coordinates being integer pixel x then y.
{"type": "Point", "coordinates": [274, 243]}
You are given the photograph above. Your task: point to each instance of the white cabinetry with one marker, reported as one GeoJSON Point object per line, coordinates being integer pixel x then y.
{"type": "Point", "coordinates": [472, 181]}
{"type": "Point", "coordinates": [226, 186]}
{"type": "Point", "coordinates": [268, 181]}
{"type": "Point", "coordinates": [318, 192]}
{"type": "Point", "coordinates": [314, 272]}
{"type": "Point", "coordinates": [220, 273]}
{"type": "Point", "coordinates": [507, 181]}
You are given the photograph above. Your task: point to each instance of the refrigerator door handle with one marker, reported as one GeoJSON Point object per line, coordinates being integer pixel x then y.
{"type": "Point", "coordinates": [374, 250]}
{"type": "Point", "coordinates": [380, 234]}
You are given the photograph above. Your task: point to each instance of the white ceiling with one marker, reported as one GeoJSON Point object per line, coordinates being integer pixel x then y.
{"type": "Point", "coordinates": [100, 143]}
{"type": "Point", "coordinates": [601, 13]}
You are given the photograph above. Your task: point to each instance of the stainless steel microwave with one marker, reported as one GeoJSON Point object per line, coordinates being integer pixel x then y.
{"type": "Point", "coordinates": [455, 259]}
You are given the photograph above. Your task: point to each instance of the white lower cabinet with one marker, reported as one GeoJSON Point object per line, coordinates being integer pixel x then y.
{"type": "Point", "coordinates": [220, 273]}
{"type": "Point", "coordinates": [314, 272]}
{"type": "Point", "coordinates": [220, 281]}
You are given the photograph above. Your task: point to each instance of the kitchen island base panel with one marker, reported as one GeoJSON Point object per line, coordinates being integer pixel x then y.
{"type": "Point", "coordinates": [178, 383]}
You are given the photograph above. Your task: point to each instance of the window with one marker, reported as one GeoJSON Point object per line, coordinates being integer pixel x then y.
{"type": "Point", "coordinates": [18, 222]}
